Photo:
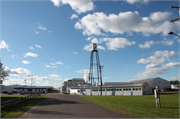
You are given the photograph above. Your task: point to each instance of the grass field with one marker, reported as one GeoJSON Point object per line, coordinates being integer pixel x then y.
{"type": "Point", "coordinates": [139, 106]}
{"type": "Point", "coordinates": [19, 108]}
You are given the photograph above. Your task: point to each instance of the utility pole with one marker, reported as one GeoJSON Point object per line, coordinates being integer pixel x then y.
{"type": "Point", "coordinates": [31, 83]}
{"type": "Point", "coordinates": [177, 19]}
{"type": "Point", "coordinates": [101, 77]}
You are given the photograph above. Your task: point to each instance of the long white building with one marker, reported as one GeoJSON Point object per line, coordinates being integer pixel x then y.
{"type": "Point", "coordinates": [137, 87]}
{"type": "Point", "coordinates": [26, 88]}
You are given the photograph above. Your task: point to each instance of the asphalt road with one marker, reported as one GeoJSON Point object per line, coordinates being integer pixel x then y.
{"type": "Point", "coordinates": [57, 105]}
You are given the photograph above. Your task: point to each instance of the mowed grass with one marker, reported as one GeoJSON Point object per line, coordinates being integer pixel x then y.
{"type": "Point", "coordinates": [139, 106]}
{"type": "Point", "coordinates": [18, 108]}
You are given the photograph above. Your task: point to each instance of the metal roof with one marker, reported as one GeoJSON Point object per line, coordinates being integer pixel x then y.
{"type": "Point", "coordinates": [107, 86]}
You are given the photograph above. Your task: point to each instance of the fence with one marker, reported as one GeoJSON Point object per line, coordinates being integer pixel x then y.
{"type": "Point", "coordinates": [14, 101]}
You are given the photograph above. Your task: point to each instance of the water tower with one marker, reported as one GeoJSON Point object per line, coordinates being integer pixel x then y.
{"type": "Point", "coordinates": [95, 76]}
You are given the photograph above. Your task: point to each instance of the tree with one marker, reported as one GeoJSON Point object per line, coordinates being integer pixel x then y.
{"type": "Point", "coordinates": [3, 73]}
{"type": "Point", "coordinates": [176, 82]}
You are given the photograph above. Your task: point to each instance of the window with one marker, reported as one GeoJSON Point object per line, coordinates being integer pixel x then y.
{"type": "Point", "coordinates": [124, 89]}
{"type": "Point", "coordinates": [120, 89]}
{"type": "Point", "coordinates": [139, 88]}
{"type": "Point", "coordinates": [129, 88]}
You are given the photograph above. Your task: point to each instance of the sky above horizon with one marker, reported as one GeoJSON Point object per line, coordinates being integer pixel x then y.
{"type": "Point", "coordinates": [52, 40]}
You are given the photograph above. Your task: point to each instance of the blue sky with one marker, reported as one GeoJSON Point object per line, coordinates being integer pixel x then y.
{"type": "Point", "coordinates": [52, 40]}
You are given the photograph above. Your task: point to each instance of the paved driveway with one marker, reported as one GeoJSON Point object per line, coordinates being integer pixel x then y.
{"type": "Point", "coordinates": [57, 105]}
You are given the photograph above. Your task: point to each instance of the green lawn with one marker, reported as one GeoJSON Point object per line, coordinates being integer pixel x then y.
{"type": "Point", "coordinates": [19, 108]}
{"type": "Point", "coordinates": [139, 106]}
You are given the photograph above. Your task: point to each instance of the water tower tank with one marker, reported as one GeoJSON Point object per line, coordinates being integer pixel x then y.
{"type": "Point", "coordinates": [94, 46]}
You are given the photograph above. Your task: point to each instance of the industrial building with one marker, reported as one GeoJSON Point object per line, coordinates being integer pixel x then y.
{"type": "Point", "coordinates": [26, 88]}
{"type": "Point", "coordinates": [66, 85]}
{"type": "Point", "coordinates": [137, 87]}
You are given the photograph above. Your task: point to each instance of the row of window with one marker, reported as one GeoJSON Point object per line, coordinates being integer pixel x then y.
{"type": "Point", "coordinates": [118, 89]}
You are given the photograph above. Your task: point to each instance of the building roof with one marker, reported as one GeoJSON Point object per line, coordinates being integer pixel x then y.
{"type": "Point", "coordinates": [146, 80]}
{"type": "Point", "coordinates": [107, 86]}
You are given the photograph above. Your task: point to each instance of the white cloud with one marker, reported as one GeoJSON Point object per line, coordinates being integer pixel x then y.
{"type": "Point", "coordinates": [25, 62]}
{"type": "Point", "coordinates": [50, 31]}
{"type": "Point", "coordinates": [68, 67]}
{"type": "Point", "coordinates": [38, 46]}
{"type": "Point", "coordinates": [54, 76]}
{"type": "Point", "coordinates": [83, 71]}
{"type": "Point", "coordinates": [36, 32]}
{"type": "Point", "coordinates": [159, 57]}
{"type": "Point", "coordinates": [25, 73]}
{"type": "Point", "coordinates": [75, 52]}
{"type": "Point", "coordinates": [74, 16]}
{"type": "Point", "coordinates": [101, 47]}
{"type": "Point", "coordinates": [3, 45]}
{"type": "Point", "coordinates": [167, 42]}
{"type": "Point", "coordinates": [147, 44]}
{"type": "Point", "coordinates": [14, 56]}
{"type": "Point", "coordinates": [88, 47]}
{"type": "Point", "coordinates": [176, 78]}
{"type": "Point", "coordinates": [155, 69]}
{"type": "Point", "coordinates": [29, 54]}
{"type": "Point", "coordinates": [80, 6]}
{"type": "Point", "coordinates": [54, 66]}
{"type": "Point", "coordinates": [30, 47]}
{"type": "Point", "coordinates": [59, 63]}
{"type": "Point", "coordinates": [157, 22]}
{"type": "Point", "coordinates": [137, 1]}
{"type": "Point", "coordinates": [41, 27]}
{"type": "Point", "coordinates": [116, 43]}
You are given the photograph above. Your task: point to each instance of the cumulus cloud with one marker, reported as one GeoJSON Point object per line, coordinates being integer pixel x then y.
{"type": "Point", "coordinates": [30, 47]}
{"type": "Point", "coordinates": [38, 46]}
{"type": "Point", "coordinates": [54, 75]}
{"type": "Point", "coordinates": [101, 47]}
{"type": "Point", "coordinates": [59, 63]}
{"type": "Point", "coordinates": [88, 47]}
{"type": "Point", "coordinates": [167, 42]}
{"type": "Point", "coordinates": [36, 32]}
{"type": "Point", "coordinates": [147, 44]}
{"type": "Point", "coordinates": [25, 62]}
{"type": "Point", "coordinates": [80, 6]}
{"type": "Point", "coordinates": [3, 45]}
{"type": "Point", "coordinates": [41, 27]}
{"type": "Point", "coordinates": [53, 65]}
{"type": "Point", "coordinates": [158, 57]}
{"type": "Point", "coordinates": [155, 69]}
{"type": "Point", "coordinates": [137, 1]}
{"type": "Point", "coordinates": [74, 16]}
{"type": "Point", "coordinates": [157, 22]}
{"type": "Point", "coordinates": [29, 54]}
{"type": "Point", "coordinates": [75, 53]}
{"type": "Point", "coordinates": [116, 43]}
{"type": "Point", "coordinates": [25, 73]}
